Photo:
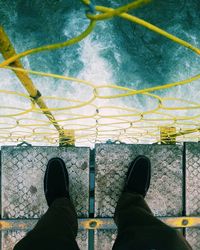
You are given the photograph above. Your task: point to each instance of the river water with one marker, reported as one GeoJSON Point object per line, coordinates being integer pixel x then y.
{"type": "Point", "coordinates": [118, 51]}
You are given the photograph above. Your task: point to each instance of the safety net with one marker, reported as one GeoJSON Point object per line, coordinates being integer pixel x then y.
{"type": "Point", "coordinates": [101, 114]}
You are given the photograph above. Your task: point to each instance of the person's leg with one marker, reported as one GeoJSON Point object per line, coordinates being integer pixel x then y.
{"type": "Point", "coordinates": [57, 228]}
{"type": "Point", "coordinates": [138, 228]}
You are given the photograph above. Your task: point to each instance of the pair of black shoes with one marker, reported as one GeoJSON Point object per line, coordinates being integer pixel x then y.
{"type": "Point", "coordinates": [56, 180]}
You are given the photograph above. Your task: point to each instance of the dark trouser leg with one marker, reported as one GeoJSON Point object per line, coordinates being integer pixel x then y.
{"type": "Point", "coordinates": [56, 230]}
{"type": "Point", "coordinates": [138, 229]}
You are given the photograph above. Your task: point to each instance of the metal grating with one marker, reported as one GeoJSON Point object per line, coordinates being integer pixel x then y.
{"type": "Point", "coordinates": [193, 178]}
{"type": "Point", "coordinates": [82, 239]}
{"type": "Point", "coordinates": [10, 238]}
{"type": "Point", "coordinates": [193, 237]}
{"type": "Point", "coordinates": [104, 239]}
{"type": "Point", "coordinates": [165, 193]}
{"type": "Point", "coordinates": [22, 184]}
{"type": "Point", "coordinates": [22, 179]}
{"type": "Point", "coordinates": [193, 190]}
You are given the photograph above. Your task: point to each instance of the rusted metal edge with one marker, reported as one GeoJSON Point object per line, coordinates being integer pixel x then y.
{"type": "Point", "coordinates": [100, 223]}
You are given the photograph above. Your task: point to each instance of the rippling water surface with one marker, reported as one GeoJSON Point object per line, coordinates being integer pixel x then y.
{"type": "Point", "coordinates": [117, 51]}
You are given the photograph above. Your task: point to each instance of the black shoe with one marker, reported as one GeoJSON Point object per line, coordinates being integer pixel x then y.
{"type": "Point", "coordinates": [138, 176]}
{"type": "Point", "coordinates": [56, 181]}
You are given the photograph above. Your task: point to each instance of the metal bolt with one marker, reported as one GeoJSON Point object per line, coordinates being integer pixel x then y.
{"type": "Point", "coordinates": [185, 222]}
{"type": "Point", "coordinates": [93, 224]}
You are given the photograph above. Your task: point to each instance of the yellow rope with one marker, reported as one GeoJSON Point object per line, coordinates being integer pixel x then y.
{"type": "Point", "coordinates": [53, 46]}
{"type": "Point", "coordinates": [73, 79]}
{"type": "Point", "coordinates": [146, 90]}
{"type": "Point", "coordinates": [151, 27]}
{"type": "Point", "coordinates": [87, 2]}
{"type": "Point", "coordinates": [102, 121]}
{"type": "Point", "coordinates": [115, 12]}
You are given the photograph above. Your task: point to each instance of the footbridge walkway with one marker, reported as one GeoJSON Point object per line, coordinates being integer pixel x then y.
{"type": "Point", "coordinates": [96, 180]}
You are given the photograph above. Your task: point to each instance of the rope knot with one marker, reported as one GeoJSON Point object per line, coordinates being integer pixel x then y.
{"type": "Point", "coordinates": [90, 7]}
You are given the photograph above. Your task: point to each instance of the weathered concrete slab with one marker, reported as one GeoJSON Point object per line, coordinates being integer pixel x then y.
{"type": "Point", "coordinates": [165, 193]}
{"type": "Point", "coordinates": [23, 171]}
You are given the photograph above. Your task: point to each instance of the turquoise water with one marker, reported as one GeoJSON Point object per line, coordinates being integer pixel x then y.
{"type": "Point", "coordinates": [117, 51]}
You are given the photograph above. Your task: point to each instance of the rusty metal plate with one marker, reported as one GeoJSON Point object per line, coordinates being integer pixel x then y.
{"type": "Point", "coordinates": [23, 171]}
{"type": "Point", "coordinates": [10, 238]}
{"type": "Point", "coordinates": [111, 164]}
{"type": "Point", "coordinates": [193, 178]}
{"type": "Point", "coordinates": [193, 237]}
{"type": "Point", "coordinates": [104, 239]}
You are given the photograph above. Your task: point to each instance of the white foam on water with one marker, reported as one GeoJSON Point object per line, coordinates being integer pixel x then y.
{"type": "Point", "coordinates": [98, 70]}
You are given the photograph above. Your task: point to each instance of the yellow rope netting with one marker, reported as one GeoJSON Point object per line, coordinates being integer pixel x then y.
{"type": "Point", "coordinates": [115, 120]}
